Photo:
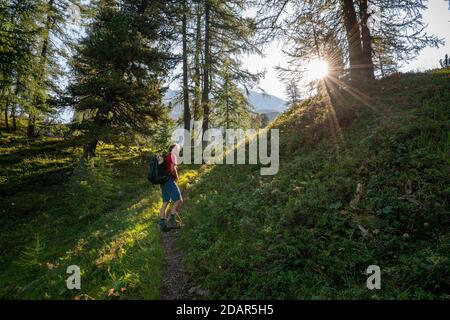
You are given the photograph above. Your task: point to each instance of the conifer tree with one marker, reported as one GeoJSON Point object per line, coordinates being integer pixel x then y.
{"type": "Point", "coordinates": [228, 35]}
{"type": "Point", "coordinates": [17, 33]}
{"type": "Point", "coordinates": [197, 73]}
{"type": "Point", "coordinates": [37, 32]}
{"type": "Point", "coordinates": [356, 28]}
{"type": "Point", "coordinates": [184, 31]}
{"type": "Point", "coordinates": [231, 107]}
{"type": "Point", "coordinates": [119, 68]}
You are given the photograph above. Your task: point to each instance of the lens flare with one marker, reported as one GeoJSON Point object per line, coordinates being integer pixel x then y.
{"type": "Point", "coordinates": [317, 69]}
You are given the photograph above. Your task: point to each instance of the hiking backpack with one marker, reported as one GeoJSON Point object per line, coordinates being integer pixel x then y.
{"type": "Point", "coordinates": [157, 173]}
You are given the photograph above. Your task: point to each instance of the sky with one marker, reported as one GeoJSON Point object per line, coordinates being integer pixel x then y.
{"type": "Point", "coordinates": [437, 16]}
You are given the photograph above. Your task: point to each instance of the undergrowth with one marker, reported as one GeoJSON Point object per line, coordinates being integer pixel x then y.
{"type": "Point", "coordinates": [371, 188]}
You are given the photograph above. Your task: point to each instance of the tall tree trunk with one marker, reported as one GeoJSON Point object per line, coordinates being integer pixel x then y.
{"type": "Point", "coordinates": [197, 67]}
{"type": "Point", "coordinates": [6, 117]}
{"type": "Point", "coordinates": [89, 149]}
{"type": "Point", "coordinates": [206, 69]}
{"type": "Point", "coordinates": [14, 106]}
{"type": "Point", "coordinates": [227, 106]}
{"type": "Point", "coordinates": [353, 39]}
{"type": "Point", "coordinates": [187, 111]}
{"type": "Point", "coordinates": [100, 121]}
{"type": "Point", "coordinates": [13, 117]}
{"type": "Point", "coordinates": [31, 130]}
{"type": "Point", "coordinates": [366, 38]}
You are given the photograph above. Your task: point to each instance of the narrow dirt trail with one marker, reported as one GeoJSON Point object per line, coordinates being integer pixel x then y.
{"type": "Point", "coordinates": [175, 282]}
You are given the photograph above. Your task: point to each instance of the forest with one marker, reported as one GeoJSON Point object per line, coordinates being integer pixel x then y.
{"type": "Point", "coordinates": [363, 150]}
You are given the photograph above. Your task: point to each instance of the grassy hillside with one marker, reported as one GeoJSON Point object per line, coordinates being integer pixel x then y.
{"type": "Point", "coordinates": [374, 192]}
{"type": "Point", "coordinates": [99, 216]}
{"type": "Point", "coordinates": [365, 183]}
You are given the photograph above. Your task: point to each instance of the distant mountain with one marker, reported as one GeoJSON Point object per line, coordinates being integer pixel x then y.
{"type": "Point", "coordinates": [271, 115]}
{"type": "Point", "coordinates": [261, 103]}
{"type": "Point", "coordinates": [264, 103]}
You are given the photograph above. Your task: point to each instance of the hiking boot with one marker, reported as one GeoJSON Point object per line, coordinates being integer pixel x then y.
{"type": "Point", "coordinates": [163, 226]}
{"type": "Point", "coordinates": [172, 224]}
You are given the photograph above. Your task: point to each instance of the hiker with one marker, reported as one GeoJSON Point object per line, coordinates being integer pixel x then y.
{"type": "Point", "coordinates": [170, 190]}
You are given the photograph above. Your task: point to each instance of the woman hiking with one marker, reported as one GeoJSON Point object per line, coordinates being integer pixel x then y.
{"type": "Point", "coordinates": [170, 190]}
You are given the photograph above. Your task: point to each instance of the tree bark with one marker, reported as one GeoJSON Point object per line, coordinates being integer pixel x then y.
{"type": "Point", "coordinates": [89, 149]}
{"type": "Point", "coordinates": [197, 67]}
{"type": "Point", "coordinates": [206, 69]}
{"type": "Point", "coordinates": [14, 106]}
{"type": "Point", "coordinates": [31, 130]}
{"type": "Point", "coordinates": [227, 106]}
{"type": "Point", "coordinates": [6, 117]}
{"type": "Point", "coordinates": [13, 117]}
{"type": "Point", "coordinates": [100, 121]}
{"type": "Point", "coordinates": [187, 112]}
{"type": "Point", "coordinates": [366, 38]}
{"type": "Point", "coordinates": [353, 38]}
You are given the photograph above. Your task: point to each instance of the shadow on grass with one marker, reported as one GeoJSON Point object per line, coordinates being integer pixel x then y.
{"type": "Point", "coordinates": [117, 249]}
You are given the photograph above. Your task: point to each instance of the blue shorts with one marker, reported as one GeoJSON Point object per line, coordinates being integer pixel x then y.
{"type": "Point", "coordinates": [170, 191]}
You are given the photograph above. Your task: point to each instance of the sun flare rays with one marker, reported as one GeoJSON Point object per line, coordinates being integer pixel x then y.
{"type": "Point", "coordinates": [317, 69]}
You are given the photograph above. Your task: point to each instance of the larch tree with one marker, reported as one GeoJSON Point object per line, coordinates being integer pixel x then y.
{"type": "Point", "coordinates": [357, 28]}
{"type": "Point", "coordinates": [231, 35]}
{"type": "Point", "coordinates": [17, 37]}
{"type": "Point", "coordinates": [53, 42]}
{"type": "Point", "coordinates": [184, 31]}
{"type": "Point", "coordinates": [207, 64]}
{"type": "Point", "coordinates": [231, 107]}
{"type": "Point", "coordinates": [35, 39]}
{"type": "Point", "coordinates": [119, 70]}
{"type": "Point", "coordinates": [197, 72]}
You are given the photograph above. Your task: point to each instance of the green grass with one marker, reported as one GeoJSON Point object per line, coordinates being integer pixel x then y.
{"type": "Point", "coordinates": [294, 235]}
{"type": "Point", "coordinates": [43, 233]}
{"type": "Point", "coordinates": [297, 235]}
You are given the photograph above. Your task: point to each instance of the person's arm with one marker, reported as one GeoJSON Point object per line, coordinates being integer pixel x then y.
{"type": "Point", "coordinates": [173, 168]}
{"type": "Point", "coordinates": [175, 171]}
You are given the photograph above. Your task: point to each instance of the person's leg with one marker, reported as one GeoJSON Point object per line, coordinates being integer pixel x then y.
{"type": "Point", "coordinates": [176, 206]}
{"type": "Point", "coordinates": [163, 210]}
{"type": "Point", "coordinates": [165, 202]}
{"type": "Point", "coordinates": [173, 211]}
{"type": "Point", "coordinates": [162, 221]}
{"type": "Point", "coordinates": [175, 195]}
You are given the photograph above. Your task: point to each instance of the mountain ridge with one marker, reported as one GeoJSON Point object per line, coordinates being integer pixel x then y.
{"type": "Point", "coordinates": [262, 103]}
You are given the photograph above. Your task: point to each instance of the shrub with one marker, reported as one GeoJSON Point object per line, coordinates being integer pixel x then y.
{"type": "Point", "coordinates": [376, 194]}
{"type": "Point", "coordinates": [90, 187]}
{"type": "Point", "coordinates": [31, 256]}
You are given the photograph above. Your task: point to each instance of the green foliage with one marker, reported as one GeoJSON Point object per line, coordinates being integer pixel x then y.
{"type": "Point", "coordinates": [34, 39]}
{"type": "Point", "coordinates": [119, 68]}
{"type": "Point", "coordinates": [90, 188]}
{"type": "Point", "coordinates": [16, 30]}
{"type": "Point", "coordinates": [298, 234]}
{"type": "Point", "coordinates": [231, 107]}
{"type": "Point", "coordinates": [118, 249]}
{"type": "Point", "coordinates": [163, 135]}
{"type": "Point", "coordinates": [31, 256]}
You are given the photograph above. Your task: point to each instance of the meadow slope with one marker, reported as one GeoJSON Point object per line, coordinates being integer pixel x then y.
{"type": "Point", "coordinates": [56, 213]}
{"type": "Point", "coordinates": [370, 188]}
